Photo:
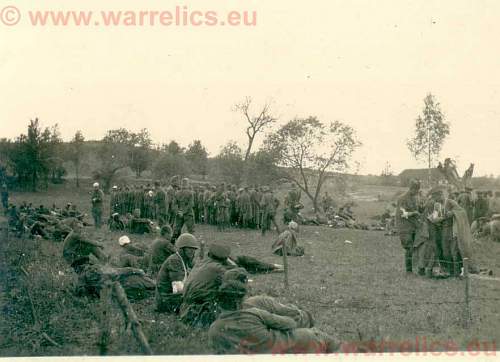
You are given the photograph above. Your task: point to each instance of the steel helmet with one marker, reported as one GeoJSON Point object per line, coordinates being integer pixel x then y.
{"type": "Point", "coordinates": [187, 240]}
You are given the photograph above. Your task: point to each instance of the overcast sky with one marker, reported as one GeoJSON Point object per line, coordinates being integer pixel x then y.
{"type": "Point", "coordinates": [367, 63]}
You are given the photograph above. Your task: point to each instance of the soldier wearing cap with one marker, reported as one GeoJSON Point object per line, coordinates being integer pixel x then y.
{"type": "Point", "coordinates": [199, 307]}
{"type": "Point", "coordinates": [291, 204]}
{"type": "Point", "coordinates": [174, 273]}
{"type": "Point", "coordinates": [77, 246]}
{"type": "Point", "coordinates": [409, 207]}
{"type": "Point", "coordinates": [161, 249]}
{"type": "Point", "coordinates": [139, 225]}
{"type": "Point", "coordinates": [97, 205]}
{"type": "Point", "coordinates": [183, 207]}
{"type": "Point", "coordinates": [428, 246]}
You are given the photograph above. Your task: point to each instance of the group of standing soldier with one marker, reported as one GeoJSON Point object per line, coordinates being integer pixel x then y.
{"type": "Point", "coordinates": [179, 203]}
{"type": "Point", "coordinates": [435, 230]}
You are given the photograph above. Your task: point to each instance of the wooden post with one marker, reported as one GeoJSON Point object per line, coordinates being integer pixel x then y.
{"type": "Point", "coordinates": [131, 318]}
{"type": "Point", "coordinates": [104, 316]}
{"type": "Point", "coordinates": [202, 248]}
{"type": "Point", "coordinates": [467, 314]}
{"type": "Point", "coordinates": [285, 264]}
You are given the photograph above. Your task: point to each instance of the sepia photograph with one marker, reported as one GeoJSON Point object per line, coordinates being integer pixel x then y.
{"type": "Point", "coordinates": [246, 177]}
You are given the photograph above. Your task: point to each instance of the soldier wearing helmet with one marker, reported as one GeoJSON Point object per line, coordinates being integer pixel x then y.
{"type": "Point", "coordinates": [173, 274]}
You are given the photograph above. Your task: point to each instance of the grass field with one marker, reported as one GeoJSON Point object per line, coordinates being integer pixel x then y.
{"type": "Point", "coordinates": [356, 291]}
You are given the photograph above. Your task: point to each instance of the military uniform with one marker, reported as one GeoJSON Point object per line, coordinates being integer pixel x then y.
{"type": "Point", "coordinates": [77, 247]}
{"type": "Point", "coordinates": [161, 249]}
{"type": "Point", "coordinates": [245, 209]}
{"type": "Point", "coordinates": [268, 206]}
{"type": "Point", "coordinates": [199, 307]}
{"type": "Point", "coordinates": [271, 305]}
{"type": "Point", "coordinates": [173, 269]}
{"type": "Point", "coordinates": [184, 214]}
{"type": "Point", "coordinates": [254, 330]}
{"type": "Point", "coordinates": [97, 206]}
{"type": "Point", "coordinates": [466, 203]}
{"type": "Point", "coordinates": [289, 239]}
{"type": "Point", "coordinates": [407, 227]}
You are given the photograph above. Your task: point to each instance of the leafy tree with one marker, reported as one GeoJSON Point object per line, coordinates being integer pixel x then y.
{"type": "Point", "coordinates": [56, 167]}
{"type": "Point", "coordinates": [308, 150]}
{"type": "Point", "coordinates": [431, 130]}
{"type": "Point", "coordinates": [114, 155]}
{"type": "Point", "coordinates": [173, 148]}
{"type": "Point", "coordinates": [261, 168]}
{"type": "Point", "coordinates": [197, 156]}
{"type": "Point", "coordinates": [230, 163]}
{"type": "Point", "coordinates": [140, 151]}
{"type": "Point", "coordinates": [75, 153]}
{"type": "Point", "coordinates": [256, 123]}
{"type": "Point", "coordinates": [121, 148]}
{"type": "Point", "coordinates": [34, 155]}
{"type": "Point", "coordinates": [168, 165]}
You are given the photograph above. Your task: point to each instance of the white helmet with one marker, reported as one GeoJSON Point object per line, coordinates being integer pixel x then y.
{"type": "Point", "coordinates": [293, 226]}
{"type": "Point", "coordinates": [123, 240]}
{"type": "Point", "coordinates": [96, 184]}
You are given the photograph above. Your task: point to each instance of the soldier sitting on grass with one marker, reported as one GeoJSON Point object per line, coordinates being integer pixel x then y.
{"type": "Point", "coordinates": [89, 262]}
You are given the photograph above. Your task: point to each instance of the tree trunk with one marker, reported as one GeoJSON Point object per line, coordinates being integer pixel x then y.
{"type": "Point", "coordinates": [249, 148]}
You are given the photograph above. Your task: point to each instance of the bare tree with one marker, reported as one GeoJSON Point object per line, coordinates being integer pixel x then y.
{"type": "Point", "coordinates": [256, 123]}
